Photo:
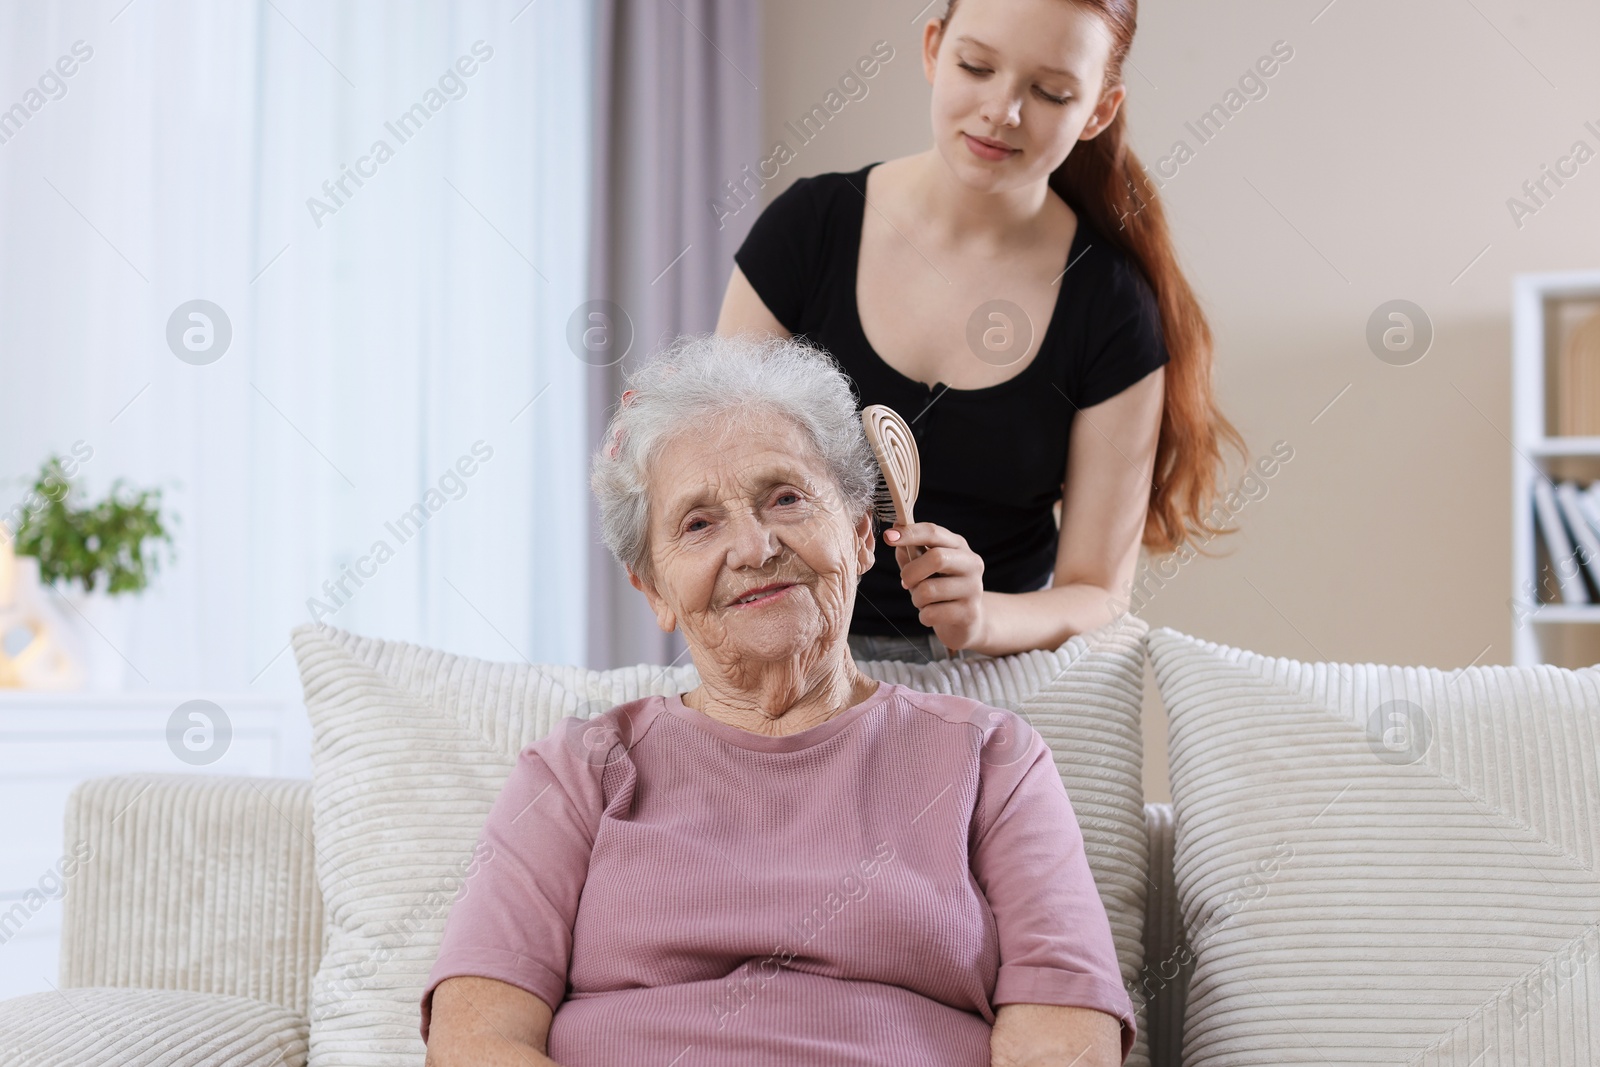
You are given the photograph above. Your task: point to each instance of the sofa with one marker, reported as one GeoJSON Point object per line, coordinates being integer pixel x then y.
{"type": "Point", "coordinates": [1361, 863]}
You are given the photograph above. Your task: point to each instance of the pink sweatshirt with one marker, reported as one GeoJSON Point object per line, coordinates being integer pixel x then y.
{"type": "Point", "coordinates": [867, 891]}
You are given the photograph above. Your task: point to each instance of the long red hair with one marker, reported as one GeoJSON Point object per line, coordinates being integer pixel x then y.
{"type": "Point", "coordinates": [1103, 180]}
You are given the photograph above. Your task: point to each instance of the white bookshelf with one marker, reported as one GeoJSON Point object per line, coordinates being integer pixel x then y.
{"type": "Point", "coordinates": [1543, 629]}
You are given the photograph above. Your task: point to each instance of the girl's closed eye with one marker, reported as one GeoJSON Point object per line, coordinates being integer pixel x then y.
{"type": "Point", "coordinates": [1047, 96]}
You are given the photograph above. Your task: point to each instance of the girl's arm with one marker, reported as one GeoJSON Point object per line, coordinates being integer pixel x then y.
{"type": "Point", "coordinates": [1110, 460]}
{"type": "Point", "coordinates": [743, 311]}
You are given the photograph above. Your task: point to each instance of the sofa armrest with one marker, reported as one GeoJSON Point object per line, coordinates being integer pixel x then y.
{"type": "Point", "coordinates": [1167, 961]}
{"type": "Point", "coordinates": [193, 882]}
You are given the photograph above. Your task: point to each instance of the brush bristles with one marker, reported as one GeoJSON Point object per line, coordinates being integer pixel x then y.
{"type": "Point", "coordinates": [883, 505]}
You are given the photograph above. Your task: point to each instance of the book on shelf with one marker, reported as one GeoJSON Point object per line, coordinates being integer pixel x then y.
{"type": "Point", "coordinates": [1588, 505]}
{"type": "Point", "coordinates": [1585, 533]}
{"type": "Point", "coordinates": [1558, 544]}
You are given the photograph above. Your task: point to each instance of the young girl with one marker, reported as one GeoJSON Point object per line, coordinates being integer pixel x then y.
{"type": "Point", "coordinates": [1013, 293]}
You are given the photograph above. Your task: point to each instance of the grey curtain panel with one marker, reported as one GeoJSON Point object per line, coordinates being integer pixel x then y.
{"type": "Point", "coordinates": [677, 111]}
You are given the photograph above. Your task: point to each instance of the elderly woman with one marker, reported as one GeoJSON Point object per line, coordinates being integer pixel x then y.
{"type": "Point", "coordinates": [790, 863]}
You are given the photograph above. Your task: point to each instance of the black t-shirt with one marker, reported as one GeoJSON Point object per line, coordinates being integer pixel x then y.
{"type": "Point", "coordinates": [993, 459]}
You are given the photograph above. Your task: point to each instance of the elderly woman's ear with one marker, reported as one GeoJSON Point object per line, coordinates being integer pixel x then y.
{"type": "Point", "coordinates": [869, 541]}
{"type": "Point", "coordinates": [664, 615]}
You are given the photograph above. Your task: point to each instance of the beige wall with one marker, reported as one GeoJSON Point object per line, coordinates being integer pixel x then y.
{"type": "Point", "coordinates": [1377, 167]}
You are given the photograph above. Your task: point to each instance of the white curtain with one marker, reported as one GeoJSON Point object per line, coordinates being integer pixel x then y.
{"type": "Point", "coordinates": [387, 334]}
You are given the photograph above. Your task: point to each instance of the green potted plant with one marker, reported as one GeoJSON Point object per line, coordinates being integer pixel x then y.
{"type": "Point", "coordinates": [92, 554]}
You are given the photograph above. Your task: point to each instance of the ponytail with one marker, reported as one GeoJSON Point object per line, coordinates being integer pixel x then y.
{"type": "Point", "coordinates": [1103, 181]}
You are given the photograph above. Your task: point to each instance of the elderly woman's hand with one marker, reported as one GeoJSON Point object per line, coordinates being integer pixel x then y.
{"type": "Point", "coordinates": [946, 581]}
{"type": "Point", "coordinates": [1033, 1035]}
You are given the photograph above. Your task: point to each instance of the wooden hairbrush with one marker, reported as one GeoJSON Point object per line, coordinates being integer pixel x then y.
{"type": "Point", "coordinates": [899, 466]}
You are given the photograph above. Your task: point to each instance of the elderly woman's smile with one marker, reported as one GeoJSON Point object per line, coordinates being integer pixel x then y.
{"type": "Point", "coordinates": [763, 595]}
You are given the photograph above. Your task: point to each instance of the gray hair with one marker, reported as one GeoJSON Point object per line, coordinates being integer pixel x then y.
{"type": "Point", "coordinates": [742, 383]}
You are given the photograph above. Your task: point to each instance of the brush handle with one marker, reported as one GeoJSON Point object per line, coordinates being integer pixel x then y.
{"type": "Point", "coordinates": [896, 450]}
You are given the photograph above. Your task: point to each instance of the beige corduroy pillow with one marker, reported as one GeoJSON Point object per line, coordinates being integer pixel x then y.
{"type": "Point", "coordinates": [412, 745]}
{"type": "Point", "coordinates": [1382, 864]}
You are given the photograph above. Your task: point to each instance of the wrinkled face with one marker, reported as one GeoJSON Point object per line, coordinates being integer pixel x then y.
{"type": "Point", "coordinates": [732, 512]}
{"type": "Point", "coordinates": [1021, 74]}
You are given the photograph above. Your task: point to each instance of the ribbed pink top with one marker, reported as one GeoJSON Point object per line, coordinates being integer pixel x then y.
{"type": "Point", "coordinates": [864, 892]}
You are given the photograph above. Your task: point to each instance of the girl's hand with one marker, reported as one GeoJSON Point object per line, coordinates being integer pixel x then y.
{"type": "Point", "coordinates": [946, 581]}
